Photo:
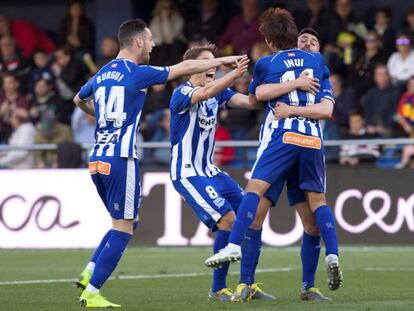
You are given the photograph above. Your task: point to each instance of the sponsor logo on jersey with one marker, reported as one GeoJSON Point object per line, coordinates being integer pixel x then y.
{"type": "Point", "coordinates": [207, 122]}
{"type": "Point", "coordinates": [302, 140]}
{"type": "Point", "coordinates": [100, 167]}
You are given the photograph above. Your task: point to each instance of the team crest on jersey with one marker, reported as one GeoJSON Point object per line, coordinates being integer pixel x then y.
{"type": "Point", "coordinates": [186, 89]}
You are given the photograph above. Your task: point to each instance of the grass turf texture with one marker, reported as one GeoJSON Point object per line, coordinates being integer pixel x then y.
{"type": "Point", "coordinates": [376, 278]}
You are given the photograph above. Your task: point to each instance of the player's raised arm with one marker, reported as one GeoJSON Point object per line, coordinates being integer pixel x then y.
{"type": "Point", "coordinates": [213, 88]}
{"type": "Point", "coordinates": [322, 110]}
{"type": "Point", "coordinates": [193, 66]}
{"type": "Point", "coordinates": [270, 91]}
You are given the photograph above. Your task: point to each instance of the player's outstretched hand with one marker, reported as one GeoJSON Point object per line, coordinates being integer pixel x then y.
{"type": "Point", "coordinates": [308, 84]}
{"type": "Point", "coordinates": [241, 66]}
{"type": "Point", "coordinates": [231, 60]}
{"type": "Point", "coordinates": [282, 111]}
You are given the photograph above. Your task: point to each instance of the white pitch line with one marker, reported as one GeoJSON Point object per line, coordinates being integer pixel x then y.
{"type": "Point", "coordinates": [142, 276]}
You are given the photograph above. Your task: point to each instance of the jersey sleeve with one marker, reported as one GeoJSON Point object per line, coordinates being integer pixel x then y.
{"type": "Point", "coordinates": [326, 86]}
{"type": "Point", "coordinates": [181, 98]}
{"type": "Point", "coordinates": [145, 76]}
{"type": "Point", "coordinates": [258, 74]}
{"type": "Point", "coordinates": [86, 91]}
{"type": "Point", "coordinates": [225, 97]}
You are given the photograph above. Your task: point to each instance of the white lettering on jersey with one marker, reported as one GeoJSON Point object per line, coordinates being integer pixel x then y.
{"type": "Point", "coordinates": [296, 62]}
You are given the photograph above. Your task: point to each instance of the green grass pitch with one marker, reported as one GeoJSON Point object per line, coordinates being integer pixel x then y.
{"type": "Point", "coordinates": [375, 278]}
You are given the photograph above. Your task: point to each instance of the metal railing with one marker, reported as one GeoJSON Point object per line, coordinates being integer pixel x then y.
{"type": "Point", "coordinates": [231, 143]}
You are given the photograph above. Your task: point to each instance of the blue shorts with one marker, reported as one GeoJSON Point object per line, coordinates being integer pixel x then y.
{"type": "Point", "coordinates": [118, 184]}
{"type": "Point", "coordinates": [295, 195]}
{"type": "Point", "coordinates": [285, 149]}
{"type": "Point", "coordinates": [210, 197]}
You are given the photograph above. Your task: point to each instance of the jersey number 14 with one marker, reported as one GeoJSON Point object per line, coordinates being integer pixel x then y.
{"type": "Point", "coordinates": [113, 108]}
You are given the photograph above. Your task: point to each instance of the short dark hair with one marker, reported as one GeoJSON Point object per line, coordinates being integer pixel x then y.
{"type": "Point", "coordinates": [386, 11]}
{"type": "Point", "coordinates": [310, 31]}
{"type": "Point", "coordinates": [9, 75]}
{"type": "Point", "coordinates": [195, 51]}
{"type": "Point", "coordinates": [128, 30]}
{"type": "Point", "coordinates": [278, 27]}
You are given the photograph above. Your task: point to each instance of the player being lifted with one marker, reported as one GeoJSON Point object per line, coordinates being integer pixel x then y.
{"type": "Point", "coordinates": [291, 141]}
{"type": "Point", "coordinates": [308, 40]}
{"type": "Point", "coordinates": [118, 91]}
{"type": "Point", "coordinates": [212, 194]}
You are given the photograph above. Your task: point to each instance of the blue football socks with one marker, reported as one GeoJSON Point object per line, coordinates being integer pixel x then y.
{"type": "Point", "coordinates": [109, 257]}
{"type": "Point", "coordinates": [245, 216]}
{"type": "Point", "coordinates": [326, 225]}
{"type": "Point", "coordinates": [101, 245]}
{"type": "Point", "coordinates": [251, 248]}
{"type": "Point", "coordinates": [220, 274]}
{"type": "Point", "coordinates": [309, 253]}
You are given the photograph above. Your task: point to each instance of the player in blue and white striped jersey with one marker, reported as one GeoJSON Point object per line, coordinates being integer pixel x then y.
{"type": "Point", "coordinates": [116, 95]}
{"type": "Point", "coordinates": [213, 195]}
{"type": "Point", "coordinates": [292, 141]}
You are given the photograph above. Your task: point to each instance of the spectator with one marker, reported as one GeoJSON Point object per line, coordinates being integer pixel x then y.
{"type": "Point", "coordinates": [345, 103]}
{"type": "Point", "coordinates": [23, 134]}
{"type": "Point", "coordinates": [41, 69]}
{"type": "Point", "coordinates": [158, 98]}
{"type": "Point", "coordinates": [68, 72]}
{"type": "Point", "coordinates": [109, 50]}
{"type": "Point", "coordinates": [28, 37]}
{"type": "Point", "coordinates": [355, 154]}
{"type": "Point", "coordinates": [167, 26]}
{"type": "Point", "coordinates": [162, 133]}
{"type": "Point", "coordinates": [83, 127]}
{"type": "Point", "coordinates": [401, 62]}
{"type": "Point", "coordinates": [344, 31]}
{"type": "Point", "coordinates": [208, 23]}
{"type": "Point", "coordinates": [242, 32]}
{"type": "Point", "coordinates": [315, 16]}
{"type": "Point", "coordinates": [405, 119]}
{"type": "Point", "coordinates": [409, 24]}
{"type": "Point", "coordinates": [223, 155]}
{"type": "Point", "coordinates": [259, 50]}
{"type": "Point", "coordinates": [77, 31]}
{"type": "Point", "coordinates": [11, 61]}
{"type": "Point", "coordinates": [10, 99]}
{"type": "Point", "coordinates": [343, 20]}
{"type": "Point", "coordinates": [379, 103]}
{"type": "Point", "coordinates": [46, 100]}
{"type": "Point", "coordinates": [362, 71]}
{"type": "Point", "coordinates": [49, 131]}
{"type": "Point", "coordinates": [239, 121]}
{"type": "Point", "coordinates": [383, 28]}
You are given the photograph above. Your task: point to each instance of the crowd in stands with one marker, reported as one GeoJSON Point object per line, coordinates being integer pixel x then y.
{"type": "Point", "coordinates": [372, 66]}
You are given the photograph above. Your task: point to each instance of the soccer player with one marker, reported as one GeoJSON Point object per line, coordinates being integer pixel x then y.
{"type": "Point", "coordinates": [291, 141]}
{"type": "Point", "coordinates": [213, 195]}
{"type": "Point", "coordinates": [308, 40]}
{"type": "Point", "coordinates": [118, 90]}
